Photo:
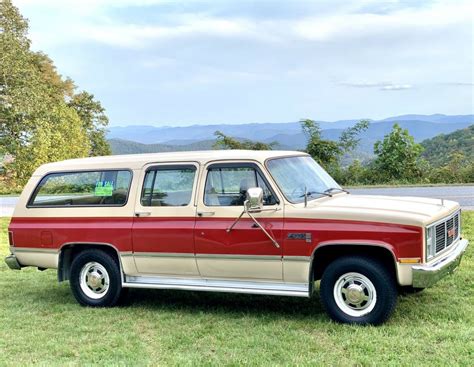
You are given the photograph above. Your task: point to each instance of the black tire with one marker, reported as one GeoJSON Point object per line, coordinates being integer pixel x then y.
{"type": "Point", "coordinates": [408, 289]}
{"type": "Point", "coordinates": [363, 280]}
{"type": "Point", "coordinates": [103, 287]}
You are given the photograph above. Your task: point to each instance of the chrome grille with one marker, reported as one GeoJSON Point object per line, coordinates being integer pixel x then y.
{"type": "Point", "coordinates": [447, 232]}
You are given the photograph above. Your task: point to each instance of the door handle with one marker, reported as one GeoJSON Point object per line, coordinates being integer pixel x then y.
{"type": "Point", "coordinates": [205, 214]}
{"type": "Point", "coordinates": [142, 214]}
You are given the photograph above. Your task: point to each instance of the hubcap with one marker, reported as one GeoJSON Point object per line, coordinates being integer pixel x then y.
{"type": "Point", "coordinates": [355, 294]}
{"type": "Point", "coordinates": [94, 280]}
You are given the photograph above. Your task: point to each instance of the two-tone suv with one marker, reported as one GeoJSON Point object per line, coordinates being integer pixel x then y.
{"type": "Point", "coordinates": [262, 222]}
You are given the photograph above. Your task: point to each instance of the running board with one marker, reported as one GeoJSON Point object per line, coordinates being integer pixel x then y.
{"type": "Point", "coordinates": [231, 286]}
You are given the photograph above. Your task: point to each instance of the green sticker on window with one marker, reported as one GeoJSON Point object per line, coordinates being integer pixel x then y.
{"type": "Point", "coordinates": [104, 188]}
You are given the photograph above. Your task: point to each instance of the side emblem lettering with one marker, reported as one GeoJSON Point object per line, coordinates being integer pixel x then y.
{"type": "Point", "coordinates": [300, 236]}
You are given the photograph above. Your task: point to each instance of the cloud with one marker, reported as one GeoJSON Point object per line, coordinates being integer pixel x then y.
{"type": "Point", "coordinates": [98, 22]}
{"type": "Point", "coordinates": [384, 86]}
{"type": "Point", "coordinates": [365, 24]}
{"type": "Point", "coordinates": [133, 35]}
{"type": "Point", "coordinates": [459, 84]}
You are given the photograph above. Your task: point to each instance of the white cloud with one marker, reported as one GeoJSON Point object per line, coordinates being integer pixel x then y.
{"type": "Point", "coordinates": [93, 20]}
{"type": "Point", "coordinates": [133, 35]}
{"type": "Point", "coordinates": [350, 25]}
{"type": "Point", "coordinates": [384, 86]}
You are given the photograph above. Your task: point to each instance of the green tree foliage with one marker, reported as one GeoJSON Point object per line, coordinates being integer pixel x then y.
{"type": "Point", "coordinates": [439, 150]}
{"type": "Point", "coordinates": [41, 119]}
{"type": "Point", "coordinates": [94, 121]}
{"type": "Point", "coordinates": [398, 156]}
{"type": "Point", "coordinates": [328, 152]}
{"type": "Point", "coordinates": [226, 142]}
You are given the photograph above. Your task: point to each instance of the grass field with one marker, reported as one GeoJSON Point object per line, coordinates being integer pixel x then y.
{"type": "Point", "coordinates": [41, 323]}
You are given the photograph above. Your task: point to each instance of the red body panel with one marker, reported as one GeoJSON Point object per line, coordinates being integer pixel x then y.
{"type": "Point", "coordinates": [402, 240]}
{"type": "Point", "coordinates": [172, 235]}
{"type": "Point", "coordinates": [211, 236]}
{"type": "Point", "coordinates": [27, 232]}
{"type": "Point", "coordinates": [176, 235]}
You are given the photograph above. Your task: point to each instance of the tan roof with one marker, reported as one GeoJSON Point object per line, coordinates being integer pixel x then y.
{"type": "Point", "coordinates": [136, 161]}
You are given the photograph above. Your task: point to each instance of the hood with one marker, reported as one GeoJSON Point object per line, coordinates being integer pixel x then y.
{"type": "Point", "coordinates": [388, 209]}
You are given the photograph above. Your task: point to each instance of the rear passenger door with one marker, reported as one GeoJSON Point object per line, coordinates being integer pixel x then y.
{"type": "Point", "coordinates": [163, 228]}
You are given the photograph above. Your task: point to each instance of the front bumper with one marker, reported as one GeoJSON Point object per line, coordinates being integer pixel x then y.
{"type": "Point", "coordinates": [426, 275]}
{"type": "Point", "coordinates": [12, 262]}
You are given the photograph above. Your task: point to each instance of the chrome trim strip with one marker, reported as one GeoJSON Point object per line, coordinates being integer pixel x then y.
{"type": "Point", "coordinates": [238, 257]}
{"type": "Point", "coordinates": [281, 289]}
{"type": "Point", "coordinates": [35, 249]}
{"type": "Point", "coordinates": [444, 219]}
{"type": "Point", "coordinates": [163, 254]}
{"type": "Point", "coordinates": [297, 258]}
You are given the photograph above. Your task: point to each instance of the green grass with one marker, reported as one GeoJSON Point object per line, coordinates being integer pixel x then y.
{"type": "Point", "coordinates": [41, 323]}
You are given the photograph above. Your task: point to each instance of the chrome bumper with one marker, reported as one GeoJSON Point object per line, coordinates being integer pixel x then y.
{"type": "Point", "coordinates": [426, 275]}
{"type": "Point", "coordinates": [12, 262]}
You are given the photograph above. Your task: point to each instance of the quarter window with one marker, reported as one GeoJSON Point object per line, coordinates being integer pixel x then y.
{"type": "Point", "coordinates": [227, 186]}
{"type": "Point", "coordinates": [92, 188]}
{"type": "Point", "coordinates": [165, 186]}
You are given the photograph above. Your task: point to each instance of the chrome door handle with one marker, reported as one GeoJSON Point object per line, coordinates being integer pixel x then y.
{"type": "Point", "coordinates": [205, 214]}
{"type": "Point", "coordinates": [142, 214]}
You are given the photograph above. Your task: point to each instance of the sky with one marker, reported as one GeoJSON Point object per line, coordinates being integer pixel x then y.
{"type": "Point", "coordinates": [178, 63]}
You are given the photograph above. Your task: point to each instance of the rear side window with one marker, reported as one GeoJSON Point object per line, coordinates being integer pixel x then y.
{"type": "Point", "coordinates": [168, 186]}
{"type": "Point", "coordinates": [91, 188]}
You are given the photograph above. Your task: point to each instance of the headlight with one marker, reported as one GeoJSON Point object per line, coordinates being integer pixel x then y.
{"type": "Point", "coordinates": [430, 242]}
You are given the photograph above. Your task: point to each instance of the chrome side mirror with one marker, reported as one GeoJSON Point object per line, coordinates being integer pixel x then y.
{"type": "Point", "coordinates": [254, 202]}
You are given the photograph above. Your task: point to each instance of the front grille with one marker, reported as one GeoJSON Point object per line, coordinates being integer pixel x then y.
{"type": "Point", "coordinates": [447, 232]}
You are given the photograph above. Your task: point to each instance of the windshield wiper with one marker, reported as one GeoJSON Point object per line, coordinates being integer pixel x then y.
{"type": "Point", "coordinates": [311, 193]}
{"type": "Point", "coordinates": [331, 189]}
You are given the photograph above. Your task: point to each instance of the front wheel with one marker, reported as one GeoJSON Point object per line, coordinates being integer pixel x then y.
{"type": "Point", "coordinates": [358, 290]}
{"type": "Point", "coordinates": [95, 279]}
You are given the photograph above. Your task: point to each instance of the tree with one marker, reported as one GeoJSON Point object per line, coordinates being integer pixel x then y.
{"type": "Point", "coordinates": [40, 118]}
{"type": "Point", "coordinates": [398, 155]}
{"type": "Point", "coordinates": [226, 142]}
{"type": "Point", "coordinates": [94, 121]}
{"type": "Point", "coordinates": [329, 152]}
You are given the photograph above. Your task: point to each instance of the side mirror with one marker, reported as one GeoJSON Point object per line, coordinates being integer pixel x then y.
{"type": "Point", "coordinates": [254, 202]}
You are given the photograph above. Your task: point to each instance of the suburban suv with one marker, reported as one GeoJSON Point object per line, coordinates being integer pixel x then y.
{"type": "Point", "coordinates": [261, 222]}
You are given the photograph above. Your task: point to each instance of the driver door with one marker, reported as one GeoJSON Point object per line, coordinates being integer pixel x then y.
{"type": "Point", "coordinates": [244, 253]}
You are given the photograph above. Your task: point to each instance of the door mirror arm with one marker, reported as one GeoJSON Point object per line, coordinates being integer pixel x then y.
{"type": "Point", "coordinates": [254, 204]}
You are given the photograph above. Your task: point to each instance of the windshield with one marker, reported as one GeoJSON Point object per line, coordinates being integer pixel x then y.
{"type": "Point", "coordinates": [295, 175]}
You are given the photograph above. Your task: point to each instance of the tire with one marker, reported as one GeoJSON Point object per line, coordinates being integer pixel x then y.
{"type": "Point", "coordinates": [95, 279]}
{"type": "Point", "coordinates": [408, 289]}
{"type": "Point", "coordinates": [358, 290]}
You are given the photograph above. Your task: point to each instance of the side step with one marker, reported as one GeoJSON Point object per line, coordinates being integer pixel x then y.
{"type": "Point", "coordinates": [231, 286]}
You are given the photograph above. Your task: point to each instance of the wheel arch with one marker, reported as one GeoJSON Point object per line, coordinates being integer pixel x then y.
{"type": "Point", "coordinates": [325, 253]}
{"type": "Point", "coordinates": [68, 250]}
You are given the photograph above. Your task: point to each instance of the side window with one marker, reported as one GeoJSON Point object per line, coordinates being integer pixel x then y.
{"type": "Point", "coordinates": [168, 186]}
{"type": "Point", "coordinates": [92, 188]}
{"type": "Point", "coordinates": [227, 186]}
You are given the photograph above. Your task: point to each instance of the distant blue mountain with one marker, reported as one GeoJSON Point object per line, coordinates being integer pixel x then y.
{"type": "Point", "coordinates": [288, 135]}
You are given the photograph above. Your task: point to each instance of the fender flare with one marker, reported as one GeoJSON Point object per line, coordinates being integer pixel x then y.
{"type": "Point", "coordinates": [63, 273]}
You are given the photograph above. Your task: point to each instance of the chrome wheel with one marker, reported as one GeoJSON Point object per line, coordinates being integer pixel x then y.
{"type": "Point", "coordinates": [355, 294]}
{"type": "Point", "coordinates": [94, 280]}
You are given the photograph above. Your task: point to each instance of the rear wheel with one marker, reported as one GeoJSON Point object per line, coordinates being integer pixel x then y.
{"type": "Point", "coordinates": [95, 279]}
{"type": "Point", "coordinates": [358, 290]}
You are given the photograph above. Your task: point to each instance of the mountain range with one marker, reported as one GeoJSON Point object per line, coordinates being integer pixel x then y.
{"type": "Point", "coordinates": [147, 138]}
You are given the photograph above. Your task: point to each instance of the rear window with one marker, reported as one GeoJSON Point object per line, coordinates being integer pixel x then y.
{"type": "Point", "coordinates": [168, 186]}
{"type": "Point", "coordinates": [91, 188]}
